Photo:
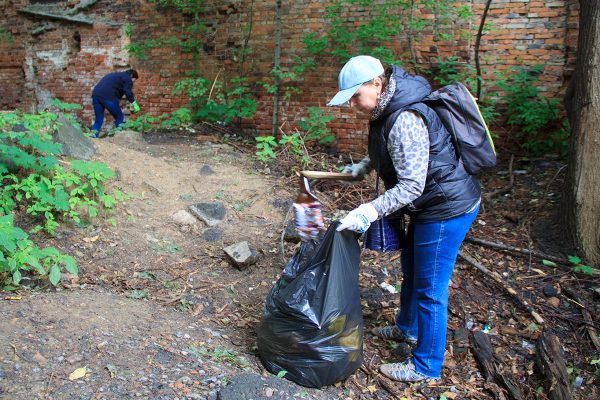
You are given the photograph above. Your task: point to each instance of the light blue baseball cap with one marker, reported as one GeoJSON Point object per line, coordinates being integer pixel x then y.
{"type": "Point", "coordinates": [354, 73]}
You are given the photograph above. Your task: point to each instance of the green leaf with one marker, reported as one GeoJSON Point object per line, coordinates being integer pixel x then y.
{"type": "Point", "coordinates": [16, 278]}
{"type": "Point", "coordinates": [54, 275]}
{"type": "Point", "coordinates": [585, 269]}
{"type": "Point", "coordinates": [108, 201]}
{"type": "Point", "coordinates": [92, 211]}
{"type": "Point", "coordinates": [61, 201]}
{"type": "Point", "coordinates": [137, 294]}
{"type": "Point", "coordinates": [574, 259]}
{"type": "Point", "coordinates": [532, 327]}
{"type": "Point", "coordinates": [70, 265]}
{"type": "Point", "coordinates": [144, 275]}
{"type": "Point", "coordinates": [549, 263]}
{"type": "Point", "coordinates": [35, 263]}
{"type": "Point", "coordinates": [281, 373]}
{"type": "Point", "coordinates": [7, 242]}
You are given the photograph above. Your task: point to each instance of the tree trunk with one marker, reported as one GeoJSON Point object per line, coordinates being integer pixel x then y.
{"type": "Point", "coordinates": [582, 195]}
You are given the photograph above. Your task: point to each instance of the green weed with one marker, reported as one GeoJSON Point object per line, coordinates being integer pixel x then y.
{"type": "Point", "coordinates": [34, 182]}
{"type": "Point", "coordinates": [215, 101]}
{"type": "Point", "coordinates": [223, 356]}
{"type": "Point", "coordinates": [541, 126]}
{"type": "Point", "coordinates": [137, 295]}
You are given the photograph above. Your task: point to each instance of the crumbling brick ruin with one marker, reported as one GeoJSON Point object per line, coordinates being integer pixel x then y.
{"type": "Point", "coordinates": [59, 49]}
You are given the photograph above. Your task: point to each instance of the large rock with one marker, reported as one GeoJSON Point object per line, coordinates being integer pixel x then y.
{"type": "Point", "coordinates": [6, 160]}
{"type": "Point", "coordinates": [241, 254]}
{"type": "Point", "coordinates": [212, 234]}
{"type": "Point", "coordinates": [290, 233]}
{"type": "Point", "coordinates": [206, 170]}
{"type": "Point", "coordinates": [74, 143]}
{"type": "Point", "coordinates": [183, 217]}
{"type": "Point", "coordinates": [211, 213]}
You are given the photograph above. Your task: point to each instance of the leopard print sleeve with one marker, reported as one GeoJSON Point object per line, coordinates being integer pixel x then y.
{"type": "Point", "coordinates": [408, 145]}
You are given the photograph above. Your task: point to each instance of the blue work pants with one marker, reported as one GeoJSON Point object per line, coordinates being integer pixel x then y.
{"type": "Point", "coordinates": [427, 264]}
{"type": "Point", "coordinates": [113, 108]}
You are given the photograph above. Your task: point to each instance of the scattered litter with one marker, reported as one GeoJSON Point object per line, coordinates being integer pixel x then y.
{"type": "Point", "coordinates": [112, 370]}
{"type": "Point", "coordinates": [388, 287]}
{"type": "Point", "coordinates": [78, 373]}
{"type": "Point", "coordinates": [526, 345]}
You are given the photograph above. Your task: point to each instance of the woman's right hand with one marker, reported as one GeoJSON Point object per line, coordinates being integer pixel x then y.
{"type": "Point", "coordinates": [359, 170]}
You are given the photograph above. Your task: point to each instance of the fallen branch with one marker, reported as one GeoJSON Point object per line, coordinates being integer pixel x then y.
{"type": "Point", "coordinates": [508, 187]}
{"type": "Point", "coordinates": [219, 128]}
{"type": "Point", "coordinates": [501, 282]}
{"type": "Point", "coordinates": [553, 367]}
{"type": "Point", "coordinates": [205, 138]}
{"type": "Point", "coordinates": [509, 330]}
{"type": "Point", "coordinates": [212, 284]}
{"type": "Point", "coordinates": [484, 353]}
{"type": "Point", "coordinates": [382, 381]}
{"type": "Point", "coordinates": [283, 229]}
{"type": "Point", "coordinates": [214, 83]}
{"type": "Point", "coordinates": [168, 302]}
{"type": "Point", "coordinates": [586, 317]}
{"type": "Point", "coordinates": [501, 246]}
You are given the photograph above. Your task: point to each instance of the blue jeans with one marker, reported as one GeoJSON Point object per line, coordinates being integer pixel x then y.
{"type": "Point", "coordinates": [113, 108]}
{"type": "Point", "coordinates": [427, 264]}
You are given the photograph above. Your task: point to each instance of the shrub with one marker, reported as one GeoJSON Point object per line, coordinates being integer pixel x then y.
{"type": "Point", "coordinates": [541, 126]}
{"type": "Point", "coordinates": [313, 131]}
{"type": "Point", "coordinates": [18, 254]}
{"type": "Point", "coordinates": [215, 102]}
{"type": "Point", "coordinates": [34, 182]}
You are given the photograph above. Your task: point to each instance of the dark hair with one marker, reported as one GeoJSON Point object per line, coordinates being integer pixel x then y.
{"type": "Point", "coordinates": [384, 79]}
{"type": "Point", "coordinates": [132, 73]}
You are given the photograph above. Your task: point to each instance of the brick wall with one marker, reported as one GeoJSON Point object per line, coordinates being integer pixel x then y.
{"type": "Point", "coordinates": [12, 59]}
{"type": "Point", "coordinates": [52, 58]}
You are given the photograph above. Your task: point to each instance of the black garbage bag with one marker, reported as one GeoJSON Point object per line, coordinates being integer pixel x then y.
{"type": "Point", "coordinates": [312, 324]}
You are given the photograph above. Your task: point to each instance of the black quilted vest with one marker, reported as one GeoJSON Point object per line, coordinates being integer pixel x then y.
{"type": "Point", "coordinates": [449, 190]}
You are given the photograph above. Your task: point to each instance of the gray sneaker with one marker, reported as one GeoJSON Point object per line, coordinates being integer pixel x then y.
{"type": "Point", "coordinates": [392, 333]}
{"type": "Point", "coordinates": [404, 372]}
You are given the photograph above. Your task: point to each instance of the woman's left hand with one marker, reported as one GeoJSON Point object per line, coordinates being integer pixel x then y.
{"type": "Point", "coordinates": [359, 219]}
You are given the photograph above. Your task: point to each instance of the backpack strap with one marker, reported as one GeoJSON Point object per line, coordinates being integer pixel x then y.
{"type": "Point", "coordinates": [422, 108]}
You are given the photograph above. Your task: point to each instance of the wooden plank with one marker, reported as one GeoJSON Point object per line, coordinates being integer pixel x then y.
{"type": "Point", "coordinates": [328, 175]}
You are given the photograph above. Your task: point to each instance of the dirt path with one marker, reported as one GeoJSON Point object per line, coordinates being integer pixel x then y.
{"type": "Point", "coordinates": [158, 312]}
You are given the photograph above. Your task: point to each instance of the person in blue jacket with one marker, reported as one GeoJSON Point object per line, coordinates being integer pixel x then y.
{"type": "Point", "coordinates": [107, 94]}
{"type": "Point", "coordinates": [414, 156]}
